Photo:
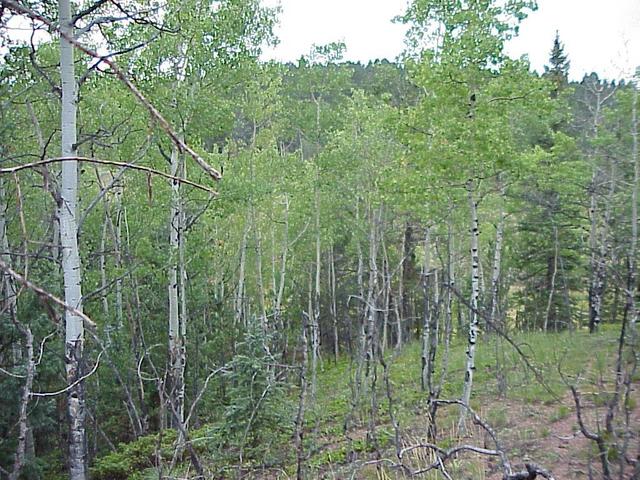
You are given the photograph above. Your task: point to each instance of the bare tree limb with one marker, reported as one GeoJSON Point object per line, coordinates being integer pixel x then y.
{"type": "Point", "coordinates": [46, 295]}
{"type": "Point", "coordinates": [154, 113]}
{"type": "Point", "coordinates": [47, 161]}
{"type": "Point", "coordinates": [71, 385]}
{"type": "Point", "coordinates": [89, 10]}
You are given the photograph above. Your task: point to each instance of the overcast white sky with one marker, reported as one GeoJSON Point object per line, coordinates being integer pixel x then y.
{"type": "Point", "coordinates": [599, 35]}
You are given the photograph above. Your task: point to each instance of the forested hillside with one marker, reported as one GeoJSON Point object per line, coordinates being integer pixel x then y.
{"type": "Point", "coordinates": [219, 267]}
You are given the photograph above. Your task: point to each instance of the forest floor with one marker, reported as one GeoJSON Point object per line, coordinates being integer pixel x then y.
{"type": "Point", "coordinates": [534, 422]}
{"type": "Point", "coordinates": [534, 417]}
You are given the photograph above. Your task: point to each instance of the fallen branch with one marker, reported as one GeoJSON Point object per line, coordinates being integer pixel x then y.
{"type": "Point", "coordinates": [531, 473]}
{"type": "Point", "coordinates": [442, 455]}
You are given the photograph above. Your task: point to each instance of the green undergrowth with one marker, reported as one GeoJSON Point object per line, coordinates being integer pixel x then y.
{"type": "Point", "coordinates": [129, 460]}
{"type": "Point", "coordinates": [535, 379]}
{"type": "Point", "coordinates": [576, 354]}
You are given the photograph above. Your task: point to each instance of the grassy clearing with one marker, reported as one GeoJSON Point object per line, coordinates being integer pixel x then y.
{"type": "Point", "coordinates": [573, 353]}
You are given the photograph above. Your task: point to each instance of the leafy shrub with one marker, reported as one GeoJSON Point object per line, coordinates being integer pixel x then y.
{"type": "Point", "coordinates": [132, 457]}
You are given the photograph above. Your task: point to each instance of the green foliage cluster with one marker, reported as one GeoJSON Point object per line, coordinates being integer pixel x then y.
{"type": "Point", "coordinates": [134, 457]}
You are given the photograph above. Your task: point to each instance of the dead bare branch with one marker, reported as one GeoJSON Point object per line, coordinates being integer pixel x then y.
{"type": "Point", "coordinates": [26, 166]}
{"type": "Point", "coordinates": [154, 113]}
{"type": "Point", "coordinates": [46, 295]}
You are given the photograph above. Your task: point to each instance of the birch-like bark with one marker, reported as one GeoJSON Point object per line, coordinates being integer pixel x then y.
{"type": "Point", "coordinates": [367, 313]}
{"type": "Point", "coordinates": [426, 321]}
{"type": "Point", "coordinates": [9, 307]}
{"type": "Point", "coordinates": [450, 276]}
{"type": "Point", "coordinates": [595, 304]}
{"type": "Point", "coordinates": [360, 281]}
{"type": "Point", "coordinates": [473, 313]}
{"type": "Point", "coordinates": [315, 314]}
{"type": "Point", "coordinates": [283, 271]}
{"type": "Point", "coordinates": [598, 253]}
{"type": "Point", "coordinates": [434, 389]}
{"type": "Point", "coordinates": [333, 304]}
{"type": "Point", "coordinates": [373, 340]}
{"type": "Point", "coordinates": [434, 327]}
{"type": "Point", "coordinates": [429, 328]}
{"type": "Point", "coordinates": [399, 303]}
{"type": "Point", "coordinates": [362, 335]}
{"type": "Point", "coordinates": [313, 366]}
{"type": "Point", "coordinates": [23, 420]}
{"type": "Point", "coordinates": [177, 356]}
{"type": "Point", "coordinates": [71, 268]}
{"type": "Point", "coordinates": [259, 278]}
{"type": "Point", "coordinates": [257, 236]}
{"type": "Point", "coordinates": [601, 253]}
{"type": "Point", "coordinates": [434, 393]}
{"type": "Point", "coordinates": [552, 288]}
{"type": "Point", "coordinates": [372, 290]}
{"type": "Point", "coordinates": [239, 301]}
{"type": "Point", "coordinates": [407, 270]}
{"type": "Point", "coordinates": [302, 401]}
{"type": "Point", "coordinates": [118, 255]}
{"type": "Point", "coordinates": [497, 262]}
{"type": "Point", "coordinates": [495, 294]}
{"type": "Point", "coordinates": [103, 268]}
{"type": "Point", "coordinates": [386, 295]}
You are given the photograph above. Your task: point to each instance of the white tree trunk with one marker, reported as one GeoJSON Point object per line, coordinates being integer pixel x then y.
{"type": "Point", "coordinates": [497, 263]}
{"type": "Point", "coordinates": [333, 304]}
{"type": "Point", "coordinates": [598, 253]}
{"type": "Point", "coordinates": [9, 307]}
{"type": "Point", "coordinates": [386, 295]}
{"type": "Point", "coordinates": [71, 268]}
{"type": "Point", "coordinates": [259, 277]}
{"type": "Point", "coordinates": [360, 282]}
{"type": "Point", "coordinates": [302, 401]}
{"type": "Point", "coordinates": [177, 357]}
{"type": "Point", "coordinates": [400, 302]}
{"type": "Point", "coordinates": [552, 290]}
{"type": "Point", "coordinates": [283, 266]}
{"type": "Point", "coordinates": [103, 267]}
{"type": "Point", "coordinates": [315, 313]}
{"type": "Point", "coordinates": [118, 243]}
{"type": "Point", "coordinates": [24, 431]}
{"type": "Point", "coordinates": [239, 301]}
{"type": "Point", "coordinates": [426, 321]}
{"type": "Point", "coordinates": [372, 290]}
{"type": "Point", "coordinates": [473, 314]}
{"type": "Point", "coordinates": [595, 300]}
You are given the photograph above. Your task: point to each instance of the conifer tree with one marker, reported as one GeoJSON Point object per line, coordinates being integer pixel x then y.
{"type": "Point", "coordinates": [558, 70]}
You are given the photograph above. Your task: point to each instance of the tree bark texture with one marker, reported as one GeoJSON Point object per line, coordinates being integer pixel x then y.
{"type": "Point", "coordinates": [71, 268]}
{"type": "Point", "coordinates": [177, 354]}
{"type": "Point", "coordinates": [473, 313]}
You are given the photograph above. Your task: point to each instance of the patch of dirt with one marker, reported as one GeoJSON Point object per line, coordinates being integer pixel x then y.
{"type": "Point", "coordinates": [547, 435]}
{"type": "Point", "coordinates": [550, 436]}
